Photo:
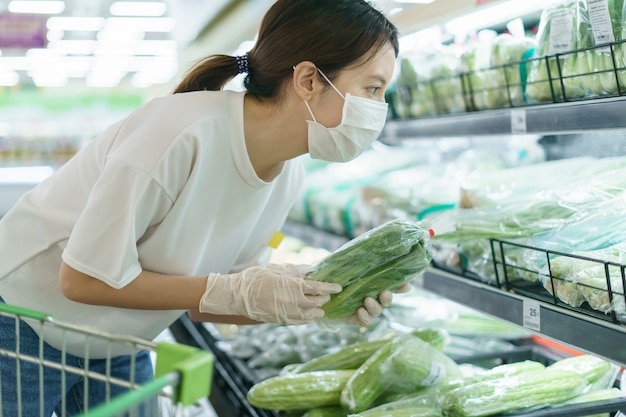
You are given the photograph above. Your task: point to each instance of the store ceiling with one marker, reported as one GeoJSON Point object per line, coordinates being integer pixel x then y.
{"type": "Point", "coordinates": [97, 43]}
{"type": "Point", "coordinates": [88, 42]}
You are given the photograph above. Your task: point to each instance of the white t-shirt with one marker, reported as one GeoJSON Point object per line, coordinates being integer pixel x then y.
{"type": "Point", "coordinates": [168, 189]}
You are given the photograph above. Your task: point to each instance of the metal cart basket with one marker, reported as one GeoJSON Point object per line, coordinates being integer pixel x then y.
{"type": "Point", "coordinates": [182, 374]}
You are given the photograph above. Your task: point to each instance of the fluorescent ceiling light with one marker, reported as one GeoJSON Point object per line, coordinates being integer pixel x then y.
{"type": "Point", "coordinates": [146, 8]}
{"type": "Point", "coordinates": [502, 12]}
{"type": "Point", "coordinates": [73, 47]}
{"type": "Point", "coordinates": [92, 24]}
{"type": "Point", "coordinates": [36, 7]}
{"type": "Point", "coordinates": [141, 24]}
{"type": "Point", "coordinates": [123, 35]}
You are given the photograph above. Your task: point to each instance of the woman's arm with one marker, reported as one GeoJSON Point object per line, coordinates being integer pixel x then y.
{"type": "Point", "coordinates": [149, 291]}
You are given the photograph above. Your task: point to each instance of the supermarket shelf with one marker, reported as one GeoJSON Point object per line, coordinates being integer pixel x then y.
{"type": "Point", "coordinates": [572, 117]}
{"type": "Point", "coordinates": [579, 331]}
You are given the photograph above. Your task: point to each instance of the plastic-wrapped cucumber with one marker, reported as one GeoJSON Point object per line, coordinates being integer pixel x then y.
{"type": "Point", "coordinates": [385, 257]}
{"type": "Point", "coordinates": [299, 391]}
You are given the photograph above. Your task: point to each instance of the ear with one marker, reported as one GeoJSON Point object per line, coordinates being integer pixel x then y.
{"type": "Point", "coordinates": [305, 81]}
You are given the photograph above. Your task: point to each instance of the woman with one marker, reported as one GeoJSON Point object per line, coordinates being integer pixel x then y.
{"type": "Point", "coordinates": [172, 208]}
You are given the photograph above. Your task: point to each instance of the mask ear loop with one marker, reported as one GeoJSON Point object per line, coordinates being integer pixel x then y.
{"type": "Point", "coordinates": [331, 84]}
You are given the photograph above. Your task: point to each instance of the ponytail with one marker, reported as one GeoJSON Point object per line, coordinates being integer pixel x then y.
{"type": "Point", "coordinates": [210, 73]}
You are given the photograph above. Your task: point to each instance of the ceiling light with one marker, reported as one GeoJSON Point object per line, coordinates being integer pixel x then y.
{"type": "Point", "coordinates": [74, 47]}
{"type": "Point", "coordinates": [36, 7]}
{"type": "Point", "coordinates": [92, 24]}
{"type": "Point", "coordinates": [146, 8]}
{"type": "Point", "coordinates": [142, 24]}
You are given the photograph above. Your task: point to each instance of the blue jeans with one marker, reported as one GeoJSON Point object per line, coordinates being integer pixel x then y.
{"type": "Point", "coordinates": [65, 399]}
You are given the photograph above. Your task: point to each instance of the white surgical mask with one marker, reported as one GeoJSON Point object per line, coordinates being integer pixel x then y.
{"type": "Point", "coordinates": [362, 121]}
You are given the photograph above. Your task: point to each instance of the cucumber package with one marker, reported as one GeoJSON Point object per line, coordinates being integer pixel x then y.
{"type": "Point", "coordinates": [384, 258]}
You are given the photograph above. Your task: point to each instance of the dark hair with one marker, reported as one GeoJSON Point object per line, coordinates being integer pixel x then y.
{"type": "Point", "coordinates": [332, 34]}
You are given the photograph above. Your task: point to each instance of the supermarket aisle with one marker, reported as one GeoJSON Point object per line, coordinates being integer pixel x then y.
{"type": "Point", "coordinates": [204, 409]}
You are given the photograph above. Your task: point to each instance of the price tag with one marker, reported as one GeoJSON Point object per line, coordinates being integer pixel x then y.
{"type": "Point", "coordinates": [518, 121]}
{"type": "Point", "coordinates": [531, 315]}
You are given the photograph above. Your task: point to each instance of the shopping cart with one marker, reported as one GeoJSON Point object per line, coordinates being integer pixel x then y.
{"type": "Point", "coordinates": [182, 374]}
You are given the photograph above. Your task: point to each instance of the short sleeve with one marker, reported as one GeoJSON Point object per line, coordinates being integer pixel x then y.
{"type": "Point", "coordinates": [123, 204]}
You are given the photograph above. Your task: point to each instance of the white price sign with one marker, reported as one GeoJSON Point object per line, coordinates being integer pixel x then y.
{"type": "Point", "coordinates": [518, 121]}
{"type": "Point", "coordinates": [531, 315]}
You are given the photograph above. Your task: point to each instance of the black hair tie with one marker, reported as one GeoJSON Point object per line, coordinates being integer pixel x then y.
{"type": "Point", "coordinates": [242, 63]}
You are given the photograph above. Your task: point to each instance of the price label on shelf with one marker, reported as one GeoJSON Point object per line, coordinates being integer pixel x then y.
{"type": "Point", "coordinates": [518, 121]}
{"type": "Point", "coordinates": [531, 315]}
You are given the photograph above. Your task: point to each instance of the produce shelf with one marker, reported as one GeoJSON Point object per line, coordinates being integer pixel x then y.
{"type": "Point", "coordinates": [233, 378]}
{"type": "Point", "coordinates": [588, 116]}
{"type": "Point", "coordinates": [580, 331]}
{"type": "Point", "coordinates": [498, 100]}
{"type": "Point", "coordinates": [512, 300]}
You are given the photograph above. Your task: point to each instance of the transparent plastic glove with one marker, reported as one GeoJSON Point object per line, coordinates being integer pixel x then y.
{"type": "Point", "coordinates": [269, 293]}
{"type": "Point", "coordinates": [373, 308]}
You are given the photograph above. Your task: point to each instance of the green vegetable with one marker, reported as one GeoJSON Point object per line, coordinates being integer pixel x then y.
{"type": "Point", "coordinates": [598, 395]}
{"type": "Point", "coordinates": [425, 397]}
{"type": "Point", "coordinates": [299, 391]}
{"type": "Point", "coordinates": [547, 69]}
{"type": "Point", "coordinates": [595, 370]}
{"type": "Point", "coordinates": [513, 393]}
{"type": "Point", "coordinates": [386, 257]}
{"type": "Point", "coordinates": [497, 372]}
{"type": "Point", "coordinates": [416, 363]}
{"type": "Point", "coordinates": [437, 338]}
{"type": "Point", "coordinates": [605, 61]}
{"type": "Point", "coordinates": [403, 412]}
{"type": "Point", "coordinates": [502, 82]}
{"type": "Point", "coordinates": [348, 357]}
{"type": "Point", "coordinates": [368, 382]}
{"type": "Point", "coordinates": [331, 411]}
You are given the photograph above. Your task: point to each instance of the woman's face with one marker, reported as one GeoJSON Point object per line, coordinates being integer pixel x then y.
{"type": "Point", "coordinates": [369, 80]}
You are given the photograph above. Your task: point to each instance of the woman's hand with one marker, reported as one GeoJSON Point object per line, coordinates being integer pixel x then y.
{"type": "Point", "coordinates": [373, 307]}
{"type": "Point", "coordinates": [269, 293]}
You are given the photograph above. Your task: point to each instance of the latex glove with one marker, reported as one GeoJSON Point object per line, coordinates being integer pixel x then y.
{"type": "Point", "coordinates": [373, 308]}
{"type": "Point", "coordinates": [269, 293]}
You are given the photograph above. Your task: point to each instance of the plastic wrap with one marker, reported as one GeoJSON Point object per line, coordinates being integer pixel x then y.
{"type": "Point", "coordinates": [563, 27]}
{"type": "Point", "coordinates": [383, 258]}
{"type": "Point", "coordinates": [402, 365]}
{"type": "Point", "coordinates": [524, 391]}
{"type": "Point", "coordinates": [577, 280]}
{"type": "Point", "coordinates": [599, 373]}
{"type": "Point", "coordinates": [498, 82]}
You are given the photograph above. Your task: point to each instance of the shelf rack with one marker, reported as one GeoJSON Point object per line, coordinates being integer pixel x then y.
{"type": "Point", "coordinates": [560, 118]}
{"type": "Point", "coordinates": [580, 331]}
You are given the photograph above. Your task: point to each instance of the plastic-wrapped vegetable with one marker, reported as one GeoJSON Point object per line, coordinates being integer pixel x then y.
{"type": "Point", "coordinates": [503, 84]}
{"type": "Point", "coordinates": [513, 393]}
{"type": "Point", "coordinates": [580, 69]}
{"type": "Point", "coordinates": [557, 34]}
{"type": "Point", "coordinates": [385, 257]}
{"type": "Point", "coordinates": [299, 391]}
{"type": "Point", "coordinates": [611, 31]}
{"type": "Point", "coordinates": [402, 365]}
{"type": "Point", "coordinates": [582, 277]}
{"type": "Point", "coordinates": [599, 373]}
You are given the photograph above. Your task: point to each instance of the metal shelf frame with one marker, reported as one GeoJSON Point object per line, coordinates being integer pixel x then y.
{"type": "Point", "coordinates": [564, 326]}
{"type": "Point", "coordinates": [562, 118]}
